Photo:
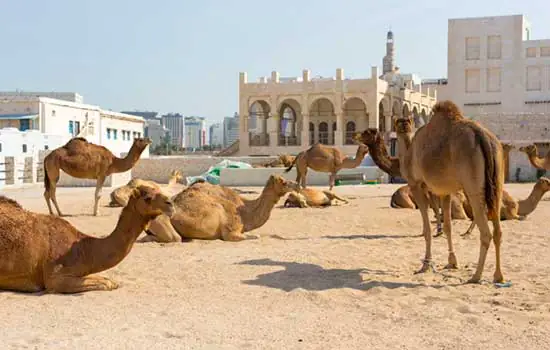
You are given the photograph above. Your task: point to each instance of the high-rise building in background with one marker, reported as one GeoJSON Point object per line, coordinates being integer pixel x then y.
{"type": "Point", "coordinates": [195, 132]}
{"type": "Point", "coordinates": [153, 127]}
{"type": "Point", "coordinates": [216, 135]}
{"type": "Point", "coordinates": [175, 123]}
{"type": "Point", "coordinates": [230, 129]}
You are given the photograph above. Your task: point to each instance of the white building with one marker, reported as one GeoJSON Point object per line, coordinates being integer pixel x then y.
{"type": "Point", "coordinates": [113, 130]}
{"type": "Point", "coordinates": [66, 96]}
{"type": "Point", "coordinates": [174, 123]}
{"type": "Point", "coordinates": [216, 135]}
{"type": "Point", "coordinates": [195, 132]}
{"type": "Point", "coordinates": [231, 129]}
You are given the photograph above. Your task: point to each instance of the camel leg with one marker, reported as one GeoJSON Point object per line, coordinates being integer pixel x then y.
{"type": "Point", "coordinates": [497, 238]}
{"type": "Point", "coordinates": [480, 219]}
{"type": "Point", "coordinates": [331, 180]}
{"type": "Point", "coordinates": [447, 228]}
{"type": "Point", "coordinates": [19, 283]}
{"type": "Point", "coordinates": [332, 195]}
{"type": "Point", "coordinates": [53, 196]}
{"type": "Point", "coordinates": [72, 284]}
{"type": "Point", "coordinates": [422, 202]}
{"type": "Point", "coordinates": [469, 230]}
{"type": "Point", "coordinates": [98, 187]}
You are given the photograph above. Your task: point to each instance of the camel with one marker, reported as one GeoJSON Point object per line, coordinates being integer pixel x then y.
{"type": "Point", "coordinates": [311, 197]}
{"type": "Point", "coordinates": [283, 160]}
{"type": "Point", "coordinates": [515, 209]}
{"type": "Point", "coordinates": [402, 198]}
{"type": "Point", "coordinates": [448, 154]}
{"type": "Point", "coordinates": [325, 159]}
{"type": "Point", "coordinates": [378, 151]}
{"type": "Point", "coordinates": [534, 159]}
{"type": "Point", "coordinates": [85, 160]}
{"type": "Point", "coordinates": [46, 253]}
{"type": "Point", "coordinates": [206, 211]}
{"type": "Point", "coordinates": [119, 196]}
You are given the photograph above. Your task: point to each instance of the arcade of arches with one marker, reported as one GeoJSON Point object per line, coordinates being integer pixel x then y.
{"type": "Point", "coordinates": [290, 126]}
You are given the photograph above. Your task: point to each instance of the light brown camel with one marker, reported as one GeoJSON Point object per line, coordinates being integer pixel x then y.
{"type": "Point", "coordinates": [325, 159]}
{"type": "Point", "coordinates": [85, 160]}
{"type": "Point", "coordinates": [206, 211]}
{"type": "Point", "coordinates": [448, 154]}
{"type": "Point", "coordinates": [403, 198]}
{"type": "Point", "coordinates": [44, 252]}
{"type": "Point", "coordinates": [283, 160]}
{"type": "Point", "coordinates": [119, 196]}
{"type": "Point", "coordinates": [311, 197]}
{"type": "Point", "coordinates": [513, 209]}
{"type": "Point", "coordinates": [534, 159]}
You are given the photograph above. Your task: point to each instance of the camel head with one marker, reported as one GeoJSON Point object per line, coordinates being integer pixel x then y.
{"type": "Point", "coordinates": [362, 150]}
{"type": "Point", "coordinates": [507, 147]}
{"type": "Point", "coordinates": [151, 202]}
{"type": "Point", "coordinates": [141, 143]}
{"type": "Point", "coordinates": [543, 184]}
{"type": "Point", "coordinates": [404, 125]}
{"type": "Point", "coordinates": [530, 150]}
{"type": "Point", "coordinates": [280, 185]}
{"type": "Point", "coordinates": [177, 175]}
{"type": "Point", "coordinates": [368, 137]}
{"type": "Point", "coordinates": [286, 159]}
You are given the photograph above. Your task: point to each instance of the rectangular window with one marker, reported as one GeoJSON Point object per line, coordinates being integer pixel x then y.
{"type": "Point", "coordinates": [533, 81]}
{"type": "Point", "coordinates": [115, 131]}
{"type": "Point", "coordinates": [531, 52]}
{"type": "Point", "coordinates": [71, 127]}
{"type": "Point", "coordinates": [493, 79]}
{"type": "Point", "coordinates": [472, 80]}
{"type": "Point", "coordinates": [77, 128]}
{"type": "Point", "coordinates": [472, 48]}
{"type": "Point", "coordinates": [545, 51]}
{"type": "Point", "coordinates": [24, 148]}
{"type": "Point", "coordinates": [0, 148]}
{"type": "Point", "coordinates": [108, 134]}
{"type": "Point", "coordinates": [494, 47]}
{"type": "Point", "coordinates": [46, 147]}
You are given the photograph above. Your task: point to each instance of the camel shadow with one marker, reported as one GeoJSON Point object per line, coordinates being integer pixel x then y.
{"type": "Point", "coordinates": [349, 237]}
{"type": "Point", "coordinates": [313, 277]}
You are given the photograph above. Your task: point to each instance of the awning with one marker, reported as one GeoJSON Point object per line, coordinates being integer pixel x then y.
{"type": "Point", "coordinates": [17, 116]}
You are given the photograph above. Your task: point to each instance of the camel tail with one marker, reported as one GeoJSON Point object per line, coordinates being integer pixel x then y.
{"type": "Point", "coordinates": [292, 165]}
{"type": "Point", "coordinates": [46, 179]}
{"type": "Point", "coordinates": [493, 170]}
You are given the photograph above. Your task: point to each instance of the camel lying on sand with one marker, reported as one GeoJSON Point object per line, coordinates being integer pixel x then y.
{"type": "Point", "coordinates": [325, 159]}
{"type": "Point", "coordinates": [534, 159]}
{"type": "Point", "coordinates": [311, 197]}
{"type": "Point", "coordinates": [45, 252]}
{"type": "Point", "coordinates": [85, 160]}
{"type": "Point", "coordinates": [403, 198]}
{"type": "Point", "coordinates": [284, 160]}
{"type": "Point", "coordinates": [119, 196]}
{"type": "Point", "coordinates": [433, 163]}
{"type": "Point", "coordinates": [206, 211]}
{"type": "Point", "coordinates": [510, 205]}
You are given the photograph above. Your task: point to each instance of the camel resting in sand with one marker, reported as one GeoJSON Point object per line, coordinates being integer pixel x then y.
{"type": "Point", "coordinates": [325, 159]}
{"type": "Point", "coordinates": [45, 252]}
{"type": "Point", "coordinates": [283, 160]}
{"type": "Point", "coordinates": [403, 198]}
{"type": "Point", "coordinates": [120, 196]}
{"type": "Point", "coordinates": [311, 197]}
{"type": "Point", "coordinates": [206, 211]}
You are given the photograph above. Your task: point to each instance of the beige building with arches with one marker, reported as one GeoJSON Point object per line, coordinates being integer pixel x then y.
{"type": "Point", "coordinates": [287, 115]}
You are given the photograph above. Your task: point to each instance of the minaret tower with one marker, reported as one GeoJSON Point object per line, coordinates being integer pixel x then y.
{"type": "Point", "coordinates": [388, 63]}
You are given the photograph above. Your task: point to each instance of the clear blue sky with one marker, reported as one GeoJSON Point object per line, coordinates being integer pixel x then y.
{"type": "Point", "coordinates": [185, 56]}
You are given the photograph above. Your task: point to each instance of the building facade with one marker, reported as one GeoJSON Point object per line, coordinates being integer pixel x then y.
{"type": "Point", "coordinates": [231, 129]}
{"type": "Point", "coordinates": [174, 122]}
{"type": "Point", "coordinates": [153, 127]}
{"type": "Point", "coordinates": [216, 135]}
{"type": "Point", "coordinates": [65, 96]}
{"type": "Point", "coordinates": [287, 115]}
{"type": "Point", "coordinates": [195, 132]}
{"type": "Point", "coordinates": [113, 130]}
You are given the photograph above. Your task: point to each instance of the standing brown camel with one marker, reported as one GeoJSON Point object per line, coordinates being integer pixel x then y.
{"type": "Point", "coordinates": [45, 252]}
{"type": "Point", "coordinates": [85, 160]}
{"type": "Point", "coordinates": [448, 154]}
{"type": "Point", "coordinates": [534, 159]}
{"type": "Point", "coordinates": [325, 159]}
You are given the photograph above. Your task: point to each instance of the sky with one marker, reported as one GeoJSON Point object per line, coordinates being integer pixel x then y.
{"type": "Point", "coordinates": [185, 56]}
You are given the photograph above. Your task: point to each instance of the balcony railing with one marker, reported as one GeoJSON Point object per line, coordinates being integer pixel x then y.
{"type": "Point", "coordinates": [288, 140]}
{"type": "Point", "coordinates": [258, 139]}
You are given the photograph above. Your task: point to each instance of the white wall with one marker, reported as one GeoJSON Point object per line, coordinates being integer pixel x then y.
{"type": "Point", "coordinates": [12, 141]}
{"type": "Point", "coordinates": [123, 141]}
{"type": "Point", "coordinates": [55, 117]}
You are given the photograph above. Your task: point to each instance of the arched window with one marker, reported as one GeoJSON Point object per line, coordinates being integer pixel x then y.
{"type": "Point", "coordinates": [311, 133]}
{"type": "Point", "coordinates": [350, 131]}
{"type": "Point", "coordinates": [323, 133]}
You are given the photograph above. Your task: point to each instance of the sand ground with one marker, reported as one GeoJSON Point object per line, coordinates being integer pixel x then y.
{"type": "Point", "coordinates": [342, 279]}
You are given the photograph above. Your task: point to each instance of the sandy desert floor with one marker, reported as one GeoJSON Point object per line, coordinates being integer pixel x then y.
{"type": "Point", "coordinates": [342, 278]}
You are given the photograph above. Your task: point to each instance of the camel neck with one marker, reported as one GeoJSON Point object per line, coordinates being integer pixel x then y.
{"type": "Point", "coordinates": [349, 163]}
{"type": "Point", "coordinates": [380, 157]}
{"type": "Point", "coordinates": [256, 212]}
{"type": "Point", "coordinates": [124, 164]}
{"type": "Point", "coordinates": [107, 252]}
{"type": "Point", "coordinates": [404, 141]}
{"type": "Point", "coordinates": [538, 162]}
{"type": "Point", "coordinates": [529, 204]}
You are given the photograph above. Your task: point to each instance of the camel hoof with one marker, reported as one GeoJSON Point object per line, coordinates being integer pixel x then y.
{"type": "Point", "coordinates": [473, 280]}
{"type": "Point", "coordinates": [440, 233]}
{"type": "Point", "coordinates": [451, 267]}
{"type": "Point", "coordinates": [111, 285]}
{"type": "Point", "coordinates": [426, 265]}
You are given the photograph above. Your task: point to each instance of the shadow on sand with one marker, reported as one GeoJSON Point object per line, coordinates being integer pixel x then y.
{"type": "Point", "coordinates": [367, 237]}
{"type": "Point", "coordinates": [315, 278]}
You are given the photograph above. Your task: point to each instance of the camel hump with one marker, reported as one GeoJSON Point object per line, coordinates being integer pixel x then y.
{"type": "Point", "coordinates": [8, 201]}
{"type": "Point", "coordinates": [448, 109]}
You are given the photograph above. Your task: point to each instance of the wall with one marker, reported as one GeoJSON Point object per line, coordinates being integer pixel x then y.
{"type": "Point", "coordinates": [56, 115]}
{"type": "Point", "coordinates": [123, 141]}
